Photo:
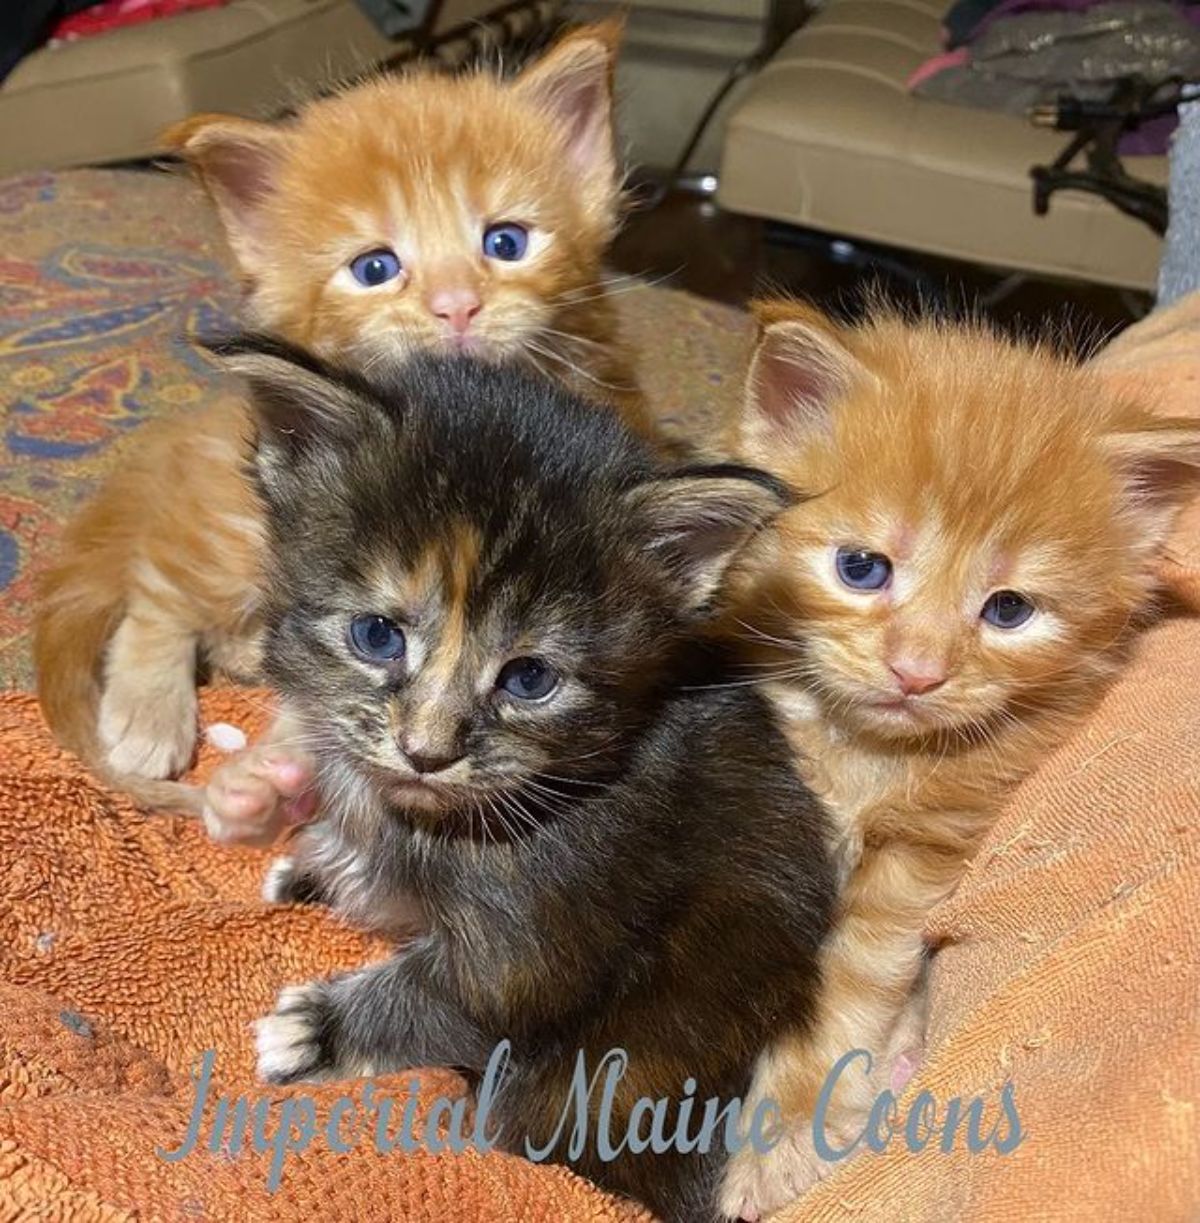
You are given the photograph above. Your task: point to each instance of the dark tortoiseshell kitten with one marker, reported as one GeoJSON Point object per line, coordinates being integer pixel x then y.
{"type": "Point", "coordinates": [484, 615]}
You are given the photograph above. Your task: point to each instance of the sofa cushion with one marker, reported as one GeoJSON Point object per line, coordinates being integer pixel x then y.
{"type": "Point", "coordinates": [109, 97]}
{"type": "Point", "coordinates": [828, 136]}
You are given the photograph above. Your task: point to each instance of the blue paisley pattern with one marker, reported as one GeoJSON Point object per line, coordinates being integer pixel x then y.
{"type": "Point", "coordinates": [103, 275]}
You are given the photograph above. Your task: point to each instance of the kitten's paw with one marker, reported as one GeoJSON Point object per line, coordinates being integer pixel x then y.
{"type": "Point", "coordinates": [149, 730]}
{"type": "Point", "coordinates": [299, 1039]}
{"type": "Point", "coordinates": [296, 1040]}
{"type": "Point", "coordinates": [255, 795]}
{"type": "Point", "coordinates": [905, 1064]}
{"type": "Point", "coordinates": [286, 883]}
{"type": "Point", "coordinates": [277, 882]}
{"type": "Point", "coordinates": [754, 1184]}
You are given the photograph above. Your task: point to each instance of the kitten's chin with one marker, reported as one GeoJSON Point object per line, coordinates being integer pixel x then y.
{"type": "Point", "coordinates": [891, 716]}
{"type": "Point", "coordinates": [476, 346]}
{"type": "Point", "coordinates": [902, 718]}
{"type": "Point", "coordinates": [895, 720]}
{"type": "Point", "coordinates": [417, 795]}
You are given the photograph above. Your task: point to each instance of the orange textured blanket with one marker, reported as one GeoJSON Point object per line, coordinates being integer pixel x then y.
{"type": "Point", "coordinates": [1067, 967]}
{"type": "Point", "coordinates": [129, 945]}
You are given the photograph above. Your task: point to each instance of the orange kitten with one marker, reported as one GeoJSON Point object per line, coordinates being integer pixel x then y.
{"type": "Point", "coordinates": [980, 540]}
{"type": "Point", "coordinates": [423, 212]}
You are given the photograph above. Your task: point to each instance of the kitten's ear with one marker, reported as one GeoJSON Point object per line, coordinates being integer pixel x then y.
{"type": "Point", "coordinates": [238, 161]}
{"type": "Point", "coordinates": [800, 369]}
{"type": "Point", "coordinates": [573, 84]}
{"type": "Point", "coordinates": [696, 521]}
{"type": "Point", "coordinates": [1160, 463]}
{"type": "Point", "coordinates": [298, 405]}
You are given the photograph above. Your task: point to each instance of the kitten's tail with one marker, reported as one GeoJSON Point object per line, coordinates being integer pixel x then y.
{"type": "Point", "coordinates": [79, 609]}
{"type": "Point", "coordinates": [173, 797]}
{"type": "Point", "coordinates": [75, 618]}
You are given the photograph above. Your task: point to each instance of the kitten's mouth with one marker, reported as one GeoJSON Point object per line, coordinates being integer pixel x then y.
{"type": "Point", "coordinates": [422, 795]}
{"type": "Point", "coordinates": [472, 345]}
{"type": "Point", "coordinates": [900, 715]}
{"type": "Point", "coordinates": [898, 712]}
{"type": "Point", "coordinates": [490, 813]}
{"type": "Point", "coordinates": [898, 709]}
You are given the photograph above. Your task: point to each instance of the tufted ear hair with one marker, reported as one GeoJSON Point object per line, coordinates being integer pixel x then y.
{"type": "Point", "coordinates": [800, 369]}
{"type": "Point", "coordinates": [573, 84]}
{"type": "Point", "coordinates": [696, 521]}
{"type": "Point", "coordinates": [299, 405]}
{"type": "Point", "coordinates": [238, 162]}
{"type": "Point", "coordinates": [1160, 465]}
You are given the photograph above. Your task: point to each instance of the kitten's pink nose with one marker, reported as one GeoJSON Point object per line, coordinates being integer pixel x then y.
{"type": "Point", "coordinates": [429, 760]}
{"type": "Point", "coordinates": [457, 306]}
{"type": "Point", "coordinates": [916, 676]}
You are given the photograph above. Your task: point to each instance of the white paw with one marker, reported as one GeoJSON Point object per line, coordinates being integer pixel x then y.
{"type": "Point", "coordinates": [277, 883]}
{"type": "Point", "coordinates": [148, 732]}
{"type": "Point", "coordinates": [754, 1184]}
{"type": "Point", "coordinates": [291, 1041]}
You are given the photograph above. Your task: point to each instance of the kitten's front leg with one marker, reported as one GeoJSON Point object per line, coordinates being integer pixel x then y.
{"type": "Point", "coordinates": [871, 998]}
{"type": "Point", "coordinates": [147, 714]}
{"type": "Point", "coordinates": [384, 1017]}
{"type": "Point", "coordinates": [757, 1184]}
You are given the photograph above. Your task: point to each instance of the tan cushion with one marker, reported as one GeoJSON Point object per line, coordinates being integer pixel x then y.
{"type": "Point", "coordinates": [828, 136]}
{"type": "Point", "coordinates": [107, 98]}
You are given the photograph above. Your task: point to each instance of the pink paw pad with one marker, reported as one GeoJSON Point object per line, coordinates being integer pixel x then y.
{"type": "Point", "coordinates": [903, 1068]}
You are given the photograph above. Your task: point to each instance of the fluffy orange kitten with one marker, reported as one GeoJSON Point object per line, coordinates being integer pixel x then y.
{"type": "Point", "coordinates": [422, 212]}
{"type": "Point", "coordinates": [979, 541]}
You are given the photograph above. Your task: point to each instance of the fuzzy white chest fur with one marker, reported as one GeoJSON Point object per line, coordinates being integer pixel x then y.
{"type": "Point", "coordinates": [356, 889]}
{"type": "Point", "coordinates": [849, 778]}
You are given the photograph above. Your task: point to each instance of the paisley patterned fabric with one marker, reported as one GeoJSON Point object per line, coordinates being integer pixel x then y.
{"type": "Point", "coordinates": [104, 275]}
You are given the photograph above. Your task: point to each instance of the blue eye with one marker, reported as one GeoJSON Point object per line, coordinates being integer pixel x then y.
{"type": "Point", "coordinates": [528, 679]}
{"type": "Point", "coordinates": [505, 242]}
{"type": "Point", "coordinates": [1007, 609]}
{"type": "Point", "coordinates": [375, 267]}
{"type": "Point", "coordinates": [376, 638]}
{"type": "Point", "coordinates": [863, 570]}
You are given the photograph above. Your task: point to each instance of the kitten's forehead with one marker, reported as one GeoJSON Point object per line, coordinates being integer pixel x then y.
{"type": "Point", "coordinates": [407, 145]}
{"type": "Point", "coordinates": [936, 550]}
{"type": "Point", "coordinates": [1000, 464]}
{"type": "Point", "coordinates": [425, 223]}
{"type": "Point", "coordinates": [439, 577]}
{"type": "Point", "coordinates": [956, 530]}
{"type": "Point", "coordinates": [471, 589]}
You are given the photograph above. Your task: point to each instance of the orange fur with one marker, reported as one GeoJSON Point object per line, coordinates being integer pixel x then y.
{"type": "Point", "coordinates": [975, 465]}
{"type": "Point", "coordinates": [159, 572]}
{"type": "Point", "coordinates": [170, 544]}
